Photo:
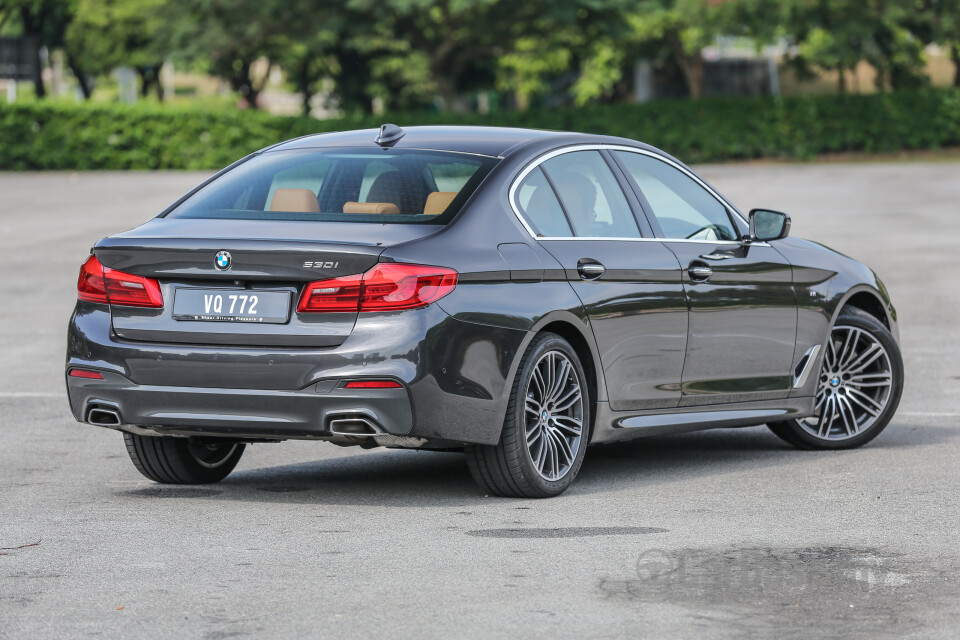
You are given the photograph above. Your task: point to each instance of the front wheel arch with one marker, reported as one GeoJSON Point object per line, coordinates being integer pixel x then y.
{"type": "Point", "coordinates": [869, 303]}
{"type": "Point", "coordinates": [867, 299]}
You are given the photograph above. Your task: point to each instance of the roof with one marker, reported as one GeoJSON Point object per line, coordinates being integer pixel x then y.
{"type": "Point", "coordinates": [490, 141]}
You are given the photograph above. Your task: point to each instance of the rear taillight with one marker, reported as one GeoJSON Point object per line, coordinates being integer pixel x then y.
{"type": "Point", "coordinates": [385, 287]}
{"type": "Point", "coordinates": [335, 294]}
{"type": "Point", "coordinates": [390, 286]}
{"type": "Point", "coordinates": [98, 283]}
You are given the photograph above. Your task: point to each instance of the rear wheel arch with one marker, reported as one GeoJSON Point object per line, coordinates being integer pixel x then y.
{"type": "Point", "coordinates": [574, 330]}
{"type": "Point", "coordinates": [585, 353]}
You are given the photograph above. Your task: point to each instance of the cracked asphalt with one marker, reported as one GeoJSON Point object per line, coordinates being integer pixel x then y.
{"type": "Point", "coordinates": [722, 534]}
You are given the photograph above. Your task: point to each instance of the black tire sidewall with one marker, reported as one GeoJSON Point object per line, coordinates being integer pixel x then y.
{"type": "Point", "coordinates": [516, 417]}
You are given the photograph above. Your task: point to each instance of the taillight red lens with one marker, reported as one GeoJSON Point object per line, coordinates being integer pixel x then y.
{"type": "Point", "coordinates": [335, 294]}
{"type": "Point", "coordinates": [385, 287]}
{"type": "Point", "coordinates": [98, 283]}
{"type": "Point", "coordinates": [373, 384]}
{"type": "Point", "coordinates": [90, 286]}
{"type": "Point", "coordinates": [391, 286]}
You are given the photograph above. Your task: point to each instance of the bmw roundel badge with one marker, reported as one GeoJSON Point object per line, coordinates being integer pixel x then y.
{"type": "Point", "coordinates": [222, 260]}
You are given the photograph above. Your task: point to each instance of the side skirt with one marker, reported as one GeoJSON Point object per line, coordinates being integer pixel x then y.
{"type": "Point", "coordinates": [624, 425]}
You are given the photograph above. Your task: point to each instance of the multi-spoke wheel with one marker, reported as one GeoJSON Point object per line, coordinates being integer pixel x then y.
{"type": "Point", "coordinates": [182, 460]}
{"type": "Point", "coordinates": [546, 428]}
{"type": "Point", "coordinates": [554, 415]}
{"type": "Point", "coordinates": [859, 388]}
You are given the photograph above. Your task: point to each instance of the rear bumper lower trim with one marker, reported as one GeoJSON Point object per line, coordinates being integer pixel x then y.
{"type": "Point", "coordinates": [251, 413]}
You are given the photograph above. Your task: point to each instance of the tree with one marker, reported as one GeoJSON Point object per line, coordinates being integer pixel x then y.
{"type": "Point", "coordinates": [229, 36]}
{"type": "Point", "coordinates": [938, 22]}
{"type": "Point", "coordinates": [684, 28]}
{"type": "Point", "coordinates": [46, 20]}
{"type": "Point", "coordinates": [359, 55]}
{"type": "Point", "coordinates": [106, 34]}
{"type": "Point", "coordinates": [839, 34]}
{"type": "Point", "coordinates": [458, 41]}
{"type": "Point", "coordinates": [578, 46]}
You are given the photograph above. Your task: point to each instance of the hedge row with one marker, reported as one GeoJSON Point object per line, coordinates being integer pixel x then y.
{"type": "Point", "coordinates": [38, 135]}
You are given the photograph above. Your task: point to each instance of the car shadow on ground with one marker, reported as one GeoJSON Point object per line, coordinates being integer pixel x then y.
{"type": "Point", "coordinates": [423, 478]}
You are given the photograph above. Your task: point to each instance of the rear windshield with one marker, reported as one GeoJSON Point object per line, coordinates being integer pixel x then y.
{"type": "Point", "coordinates": [392, 186]}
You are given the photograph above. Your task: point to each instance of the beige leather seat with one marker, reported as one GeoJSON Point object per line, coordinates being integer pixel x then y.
{"type": "Point", "coordinates": [296, 200]}
{"type": "Point", "coordinates": [370, 207]}
{"type": "Point", "coordinates": [438, 201]}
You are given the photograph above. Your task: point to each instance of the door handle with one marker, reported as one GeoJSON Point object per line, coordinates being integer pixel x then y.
{"type": "Point", "coordinates": [590, 270]}
{"type": "Point", "coordinates": [699, 272]}
{"type": "Point", "coordinates": [717, 256]}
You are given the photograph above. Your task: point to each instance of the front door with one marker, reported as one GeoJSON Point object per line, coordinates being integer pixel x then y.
{"type": "Point", "coordinates": [743, 310]}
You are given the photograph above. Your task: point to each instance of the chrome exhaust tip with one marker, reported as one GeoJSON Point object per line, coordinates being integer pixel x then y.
{"type": "Point", "coordinates": [355, 426]}
{"type": "Point", "coordinates": [103, 417]}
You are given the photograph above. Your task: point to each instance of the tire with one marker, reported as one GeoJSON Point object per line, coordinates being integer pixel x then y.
{"type": "Point", "coordinates": [551, 413]}
{"type": "Point", "coordinates": [182, 460]}
{"type": "Point", "coordinates": [859, 411]}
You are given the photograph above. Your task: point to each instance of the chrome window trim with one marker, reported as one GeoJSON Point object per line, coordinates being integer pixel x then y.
{"type": "Point", "coordinates": [511, 195]}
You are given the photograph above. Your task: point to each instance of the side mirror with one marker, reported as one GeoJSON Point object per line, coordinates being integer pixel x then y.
{"type": "Point", "coordinates": [768, 225]}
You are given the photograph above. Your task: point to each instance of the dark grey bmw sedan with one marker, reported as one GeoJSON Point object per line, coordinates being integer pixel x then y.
{"type": "Point", "coordinates": [514, 294]}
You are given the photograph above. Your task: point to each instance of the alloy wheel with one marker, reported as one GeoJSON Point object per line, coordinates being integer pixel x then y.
{"type": "Point", "coordinates": [553, 415]}
{"type": "Point", "coordinates": [856, 380]}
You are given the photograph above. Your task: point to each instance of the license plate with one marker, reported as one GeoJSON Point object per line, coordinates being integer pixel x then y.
{"type": "Point", "coordinates": [231, 305]}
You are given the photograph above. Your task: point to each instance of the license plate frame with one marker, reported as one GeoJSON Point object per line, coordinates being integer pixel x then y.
{"type": "Point", "coordinates": [201, 304]}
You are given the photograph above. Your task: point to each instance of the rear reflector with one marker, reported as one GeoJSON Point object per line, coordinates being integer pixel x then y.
{"type": "Point", "coordinates": [84, 373]}
{"type": "Point", "coordinates": [385, 287]}
{"type": "Point", "coordinates": [98, 283]}
{"type": "Point", "coordinates": [373, 384]}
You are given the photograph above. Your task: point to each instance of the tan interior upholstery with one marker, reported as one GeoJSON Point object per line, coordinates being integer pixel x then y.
{"type": "Point", "coordinates": [438, 201]}
{"type": "Point", "coordinates": [370, 207]}
{"type": "Point", "coordinates": [298, 200]}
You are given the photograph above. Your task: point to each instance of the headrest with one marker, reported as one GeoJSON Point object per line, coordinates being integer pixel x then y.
{"type": "Point", "coordinates": [438, 201]}
{"type": "Point", "coordinates": [370, 207]}
{"type": "Point", "coordinates": [297, 200]}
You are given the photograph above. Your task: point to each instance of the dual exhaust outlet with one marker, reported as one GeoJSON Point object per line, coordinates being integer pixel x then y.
{"type": "Point", "coordinates": [358, 426]}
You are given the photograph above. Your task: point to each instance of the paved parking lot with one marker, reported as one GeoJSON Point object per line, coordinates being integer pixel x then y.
{"type": "Point", "coordinates": [724, 534]}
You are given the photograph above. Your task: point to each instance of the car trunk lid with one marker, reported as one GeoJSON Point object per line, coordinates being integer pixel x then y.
{"type": "Point", "coordinates": [266, 261]}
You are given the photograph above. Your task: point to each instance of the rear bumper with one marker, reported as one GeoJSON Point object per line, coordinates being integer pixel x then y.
{"type": "Point", "coordinates": [453, 375]}
{"type": "Point", "coordinates": [247, 413]}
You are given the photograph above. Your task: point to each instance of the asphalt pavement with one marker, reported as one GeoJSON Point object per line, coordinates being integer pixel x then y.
{"type": "Point", "coordinates": [722, 534]}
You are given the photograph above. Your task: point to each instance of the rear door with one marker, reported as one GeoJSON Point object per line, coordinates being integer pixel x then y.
{"type": "Point", "coordinates": [743, 312]}
{"type": "Point", "coordinates": [629, 283]}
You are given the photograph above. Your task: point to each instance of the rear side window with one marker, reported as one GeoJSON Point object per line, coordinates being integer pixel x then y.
{"type": "Point", "coordinates": [394, 186]}
{"type": "Point", "coordinates": [539, 205]}
{"type": "Point", "coordinates": [591, 196]}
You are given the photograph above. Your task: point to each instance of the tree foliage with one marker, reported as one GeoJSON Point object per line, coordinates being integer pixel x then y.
{"type": "Point", "coordinates": [105, 34]}
{"type": "Point", "coordinates": [415, 54]}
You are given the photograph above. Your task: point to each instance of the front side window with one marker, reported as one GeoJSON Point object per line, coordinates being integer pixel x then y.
{"type": "Point", "coordinates": [683, 208]}
{"type": "Point", "coordinates": [591, 195]}
{"type": "Point", "coordinates": [394, 186]}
